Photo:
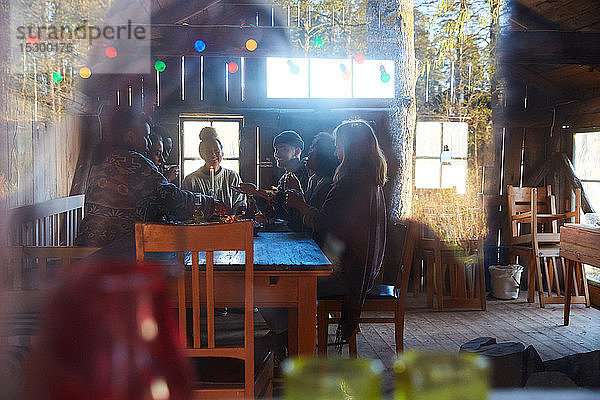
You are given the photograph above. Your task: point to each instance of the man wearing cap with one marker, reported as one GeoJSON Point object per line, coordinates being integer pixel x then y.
{"type": "Point", "coordinates": [288, 147]}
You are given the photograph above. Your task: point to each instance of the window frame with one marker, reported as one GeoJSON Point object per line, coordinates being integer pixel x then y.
{"type": "Point", "coordinates": [210, 118]}
{"type": "Point", "coordinates": [439, 157]}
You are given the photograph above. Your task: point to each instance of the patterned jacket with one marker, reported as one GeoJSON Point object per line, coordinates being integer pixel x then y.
{"type": "Point", "coordinates": [127, 188]}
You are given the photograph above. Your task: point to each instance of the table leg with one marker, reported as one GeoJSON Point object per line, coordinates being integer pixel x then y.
{"type": "Point", "coordinates": [293, 331]}
{"type": "Point", "coordinates": [568, 290]}
{"type": "Point", "coordinates": [307, 316]}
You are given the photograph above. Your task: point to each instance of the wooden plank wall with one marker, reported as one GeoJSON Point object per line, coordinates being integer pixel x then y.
{"type": "Point", "coordinates": [37, 158]}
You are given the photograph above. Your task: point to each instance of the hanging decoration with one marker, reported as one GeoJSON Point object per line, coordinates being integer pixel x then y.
{"type": "Point", "coordinates": [345, 73]}
{"type": "Point", "coordinates": [294, 69]}
{"type": "Point", "coordinates": [318, 42]}
{"type": "Point", "coordinates": [31, 40]}
{"type": "Point", "coordinates": [385, 77]}
{"type": "Point", "coordinates": [232, 67]}
{"type": "Point", "coordinates": [57, 77]}
{"type": "Point", "coordinates": [160, 66]}
{"type": "Point", "coordinates": [110, 52]}
{"type": "Point", "coordinates": [199, 45]}
{"type": "Point", "coordinates": [85, 72]}
{"type": "Point", "coordinates": [251, 45]}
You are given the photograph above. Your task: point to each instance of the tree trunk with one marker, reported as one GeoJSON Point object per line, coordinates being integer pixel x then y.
{"type": "Point", "coordinates": [391, 35]}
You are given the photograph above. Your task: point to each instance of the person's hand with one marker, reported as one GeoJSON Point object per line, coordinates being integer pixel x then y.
{"type": "Point", "coordinates": [292, 182]}
{"type": "Point", "coordinates": [221, 208]}
{"type": "Point", "coordinates": [172, 173]}
{"type": "Point", "coordinates": [245, 188]}
{"type": "Point", "coordinates": [295, 199]}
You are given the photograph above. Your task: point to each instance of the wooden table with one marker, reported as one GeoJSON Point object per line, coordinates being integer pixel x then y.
{"type": "Point", "coordinates": [286, 267]}
{"type": "Point", "coordinates": [578, 244]}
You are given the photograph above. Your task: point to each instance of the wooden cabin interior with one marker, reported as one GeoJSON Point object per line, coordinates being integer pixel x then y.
{"type": "Point", "coordinates": [544, 132]}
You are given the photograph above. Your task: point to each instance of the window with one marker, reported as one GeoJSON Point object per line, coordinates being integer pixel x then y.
{"type": "Point", "coordinates": [228, 128]}
{"type": "Point", "coordinates": [441, 155]}
{"type": "Point", "coordinates": [303, 78]}
{"type": "Point", "coordinates": [586, 158]}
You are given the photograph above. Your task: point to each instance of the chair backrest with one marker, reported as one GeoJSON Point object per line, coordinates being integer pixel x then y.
{"type": "Point", "coordinates": [520, 201]}
{"type": "Point", "coordinates": [50, 223]}
{"type": "Point", "coordinates": [237, 236]}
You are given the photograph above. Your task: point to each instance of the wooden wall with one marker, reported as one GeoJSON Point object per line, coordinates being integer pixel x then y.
{"type": "Point", "coordinates": [37, 158]}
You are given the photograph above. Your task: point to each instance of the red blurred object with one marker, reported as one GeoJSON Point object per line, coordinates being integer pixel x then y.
{"type": "Point", "coordinates": [232, 67]}
{"type": "Point", "coordinates": [108, 334]}
{"type": "Point", "coordinates": [359, 58]}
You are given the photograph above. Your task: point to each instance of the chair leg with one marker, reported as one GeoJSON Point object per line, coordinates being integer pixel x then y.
{"type": "Point", "coordinates": [322, 330]}
{"type": "Point", "coordinates": [439, 279]}
{"type": "Point", "coordinates": [540, 281]}
{"type": "Point", "coordinates": [531, 271]}
{"type": "Point", "coordinates": [586, 291]}
{"type": "Point", "coordinates": [429, 274]}
{"type": "Point", "coordinates": [399, 329]}
{"type": "Point", "coordinates": [352, 345]}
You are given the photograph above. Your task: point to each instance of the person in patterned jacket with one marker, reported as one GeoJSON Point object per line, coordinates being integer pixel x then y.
{"type": "Point", "coordinates": [125, 187]}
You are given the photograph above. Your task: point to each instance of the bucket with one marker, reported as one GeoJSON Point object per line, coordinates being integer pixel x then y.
{"type": "Point", "coordinates": [506, 280]}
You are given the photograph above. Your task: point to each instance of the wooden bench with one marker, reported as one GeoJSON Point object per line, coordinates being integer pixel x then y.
{"type": "Point", "coordinates": [40, 248]}
{"type": "Point", "coordinates": [50, 223]}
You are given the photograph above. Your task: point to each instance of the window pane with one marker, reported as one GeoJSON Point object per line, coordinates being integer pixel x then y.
{"type": "Point", "coordinates": [367, 79]}
{"type": "Point", "coordinates": [456, 136]}
{"type": "Point", "coordinates": [329, 80]}
{"type": "Point", "coordinates": [287, 77]}
{"type": "Point", "coordinates": [592, 191]}
{"type": "Point", "coordinates": [191, 140]}
{"type": "Point", "coordinates": [428, 139]}
{"type": "Point", "coordinates": [455, 175]}
{"type": "Point", "coordinates": [229, 134]}
{"type": "Point", "coordinates": [587, 155]}
{"type": "Point", "coordinates": [231, 164]}
{"type": "Point", "coordinates": [190, 166]}
{"type": "Point", "coordinates": [427, 174]}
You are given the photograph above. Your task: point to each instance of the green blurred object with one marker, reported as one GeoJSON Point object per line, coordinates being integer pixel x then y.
{"type": "Point", "coordinates": [441, 376]}
{"type": "Point", "coordinates": [332, 379]}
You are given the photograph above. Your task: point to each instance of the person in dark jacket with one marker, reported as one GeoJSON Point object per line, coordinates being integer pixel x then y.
{"type": "Point", "coordinates": [126, 187]}
{"type": "Point", "coordinates": [288, 147]}
{"type": "Point", "coordinates": [352, 220]}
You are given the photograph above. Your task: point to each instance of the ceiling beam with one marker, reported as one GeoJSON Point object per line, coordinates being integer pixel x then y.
{"type": "Point", "coordinates": [551, 47]}
{"type": "Point", "coordinates": [526, 18]}
{"type": "Point", "coordinates": [536, 80]}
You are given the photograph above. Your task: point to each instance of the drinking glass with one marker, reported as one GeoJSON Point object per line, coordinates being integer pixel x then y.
{"type": "Point", "coordinates": [332, 379]}
{"type": "Point", "coordinates": [441, 376]}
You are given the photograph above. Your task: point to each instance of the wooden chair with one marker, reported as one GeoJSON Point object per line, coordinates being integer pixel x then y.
{"type": "Point", "coordinates": [49, 223]}
{"type": "Point", "coordinates": [257, 380]}
{"type": "Point", "coordinates": [381, 298]}
{"type": "Point", "coordinates": [535, 238]}
{"type": "Point", "coordinates": [459, 282]}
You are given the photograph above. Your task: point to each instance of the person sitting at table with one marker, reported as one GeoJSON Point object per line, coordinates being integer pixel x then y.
{"type": "Point", "coordinates": [223, 179]}
{"type": "Point", "coordinates": [352, 220]}
{"type": "Point", "coordinates": [126, 187]}
{"type": "Point", "coordinates": [156, 155]}
{"type": "Point", "coordinates": [288, 147]}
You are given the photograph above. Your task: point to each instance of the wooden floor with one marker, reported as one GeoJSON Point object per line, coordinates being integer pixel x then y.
{"type": "Point", "coordinates": [506, 320]}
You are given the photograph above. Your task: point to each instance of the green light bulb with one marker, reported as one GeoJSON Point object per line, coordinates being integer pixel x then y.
{"type": "Point", "coordinates": [160, 66]}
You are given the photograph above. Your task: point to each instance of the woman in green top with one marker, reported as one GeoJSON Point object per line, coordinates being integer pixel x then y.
{"type": "Point", "coordinates": [200, 181]}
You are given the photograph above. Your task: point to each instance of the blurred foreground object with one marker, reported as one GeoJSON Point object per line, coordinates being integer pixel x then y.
{"type": "Point", "coordinates": [108, 334]}
{"type": "Point", "coordinates": [441, 376]}
{"type": "Point", "coordinates": [320, 379]}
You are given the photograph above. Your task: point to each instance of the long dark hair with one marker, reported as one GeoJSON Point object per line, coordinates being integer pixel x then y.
{"type": "Point", "coordinates": [323, 146]}
{"type": "Point", "coordinates": [362, 155]}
